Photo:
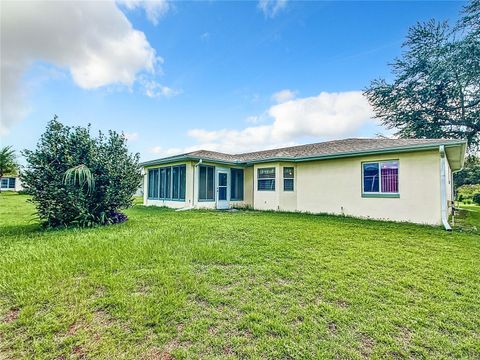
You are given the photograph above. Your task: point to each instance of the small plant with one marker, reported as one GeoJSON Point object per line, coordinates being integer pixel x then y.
{"type": "Point", "coordinates": [76, 179]}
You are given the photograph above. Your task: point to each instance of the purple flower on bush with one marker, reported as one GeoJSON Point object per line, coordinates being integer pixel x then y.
{"type": "Point", "coordinates": [117, 217]}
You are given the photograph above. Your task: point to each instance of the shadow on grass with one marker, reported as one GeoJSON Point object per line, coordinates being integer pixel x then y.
{"type": "Point", "coordinates": [24, 229]}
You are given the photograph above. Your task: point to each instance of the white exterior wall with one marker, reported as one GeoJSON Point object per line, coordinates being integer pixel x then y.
{"type": "Point", "coordinates": [191, 193]}
{"type": "Point", "coordinates": [266, 200]}
{"type": "Point", "coordinates": [334, 186]}
{"type": "Point", "coordinates": [169, 203]}
{"type": "Point", "coordinates": [449, 186]}
{"type": "Point", "coordinates": [278, 199]}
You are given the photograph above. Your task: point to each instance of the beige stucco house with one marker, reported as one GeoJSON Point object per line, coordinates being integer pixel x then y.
{"type": "Point", "coordinates": [392, 179]}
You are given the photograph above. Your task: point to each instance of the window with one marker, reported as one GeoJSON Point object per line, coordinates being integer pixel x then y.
{"type": "Point", "coordinates": [380, 177]}
{"type": "Point", "coordinates": [266, 179]}
{"type": "Point", "coordinates": [4, 183]}
{"type": "Point", "coordinates": [288, 177]}
{"type": "Point", "coordinates": [153, 183]}
{"type": "Point", "coordinates": [236, 184]}
{"type": "Point", "coordinates": [206, 183]}
{"type": "Point", "coordinates": [7, 183]}
{"type": "Point", "coordinates": [167, 183]}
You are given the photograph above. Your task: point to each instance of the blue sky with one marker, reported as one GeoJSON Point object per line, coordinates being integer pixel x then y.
{"type": "Point", "coordinates": [227, 76]}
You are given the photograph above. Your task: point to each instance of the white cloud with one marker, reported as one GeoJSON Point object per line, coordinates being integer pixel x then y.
{"type": "Point", "coordinates": [154, 9]}
{"type": "Point", "coordinates": [154, 89]}
{"type": "Point", "coordinates": [283, 96]}
{"type": "Point", "coordinates": [132, 136]}
{"type": "Point", "coordinates": [94, 41]}
{"type": "Point", "coordinates": [270, 8]}
{"type": "Point", "coordinates": [162, 152]}
{"type": "Point", "coordinates": [253, 119]}
{"type": "Point", "coordinates": [325, 116]}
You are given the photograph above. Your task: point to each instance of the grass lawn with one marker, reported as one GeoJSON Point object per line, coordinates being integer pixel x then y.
{"type": "Point", "coordinates": [468, 217]}
{"type": "Point", "coordinates": [244, 284]}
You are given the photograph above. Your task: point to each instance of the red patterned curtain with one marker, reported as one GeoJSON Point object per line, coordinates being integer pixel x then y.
{"type": "Point", "coordinates": [389, 180]}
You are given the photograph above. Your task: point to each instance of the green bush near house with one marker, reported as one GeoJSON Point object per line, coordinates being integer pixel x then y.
{"type": "Point", "coordinates": [76, 179]}
{"type": "Point", "coordinates": [466, 192]}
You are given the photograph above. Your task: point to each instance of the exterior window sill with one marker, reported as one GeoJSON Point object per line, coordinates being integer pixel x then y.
{"type": "Point", "coordinates": [381, 195]}
{"type": "Point", "coordinates": [161, 199]}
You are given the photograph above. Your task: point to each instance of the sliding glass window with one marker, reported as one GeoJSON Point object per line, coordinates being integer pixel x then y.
{"type": "Point", "coordinates": [167, 183]}
{"type": "Point", "coordinates": [206, 183]}
{"type": "Point", "coordinates": [236, 185]}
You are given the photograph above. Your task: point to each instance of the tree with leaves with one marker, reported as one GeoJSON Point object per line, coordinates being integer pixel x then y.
{"type": "Point", "coordinates": [8, 163]}
{"type": "Point", "coordinates": [470, 174]}
{"type": "Point", "coordinates": [436, 88]}
{"type": "Point", "coordinates": [76, 179]}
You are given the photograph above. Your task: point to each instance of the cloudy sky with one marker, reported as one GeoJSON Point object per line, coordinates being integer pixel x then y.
{"type": "Point", "coordinates": [179, 76]}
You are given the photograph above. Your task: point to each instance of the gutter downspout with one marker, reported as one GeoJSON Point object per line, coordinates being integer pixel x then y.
{"type": "Point", "coordinates": [443, 190]}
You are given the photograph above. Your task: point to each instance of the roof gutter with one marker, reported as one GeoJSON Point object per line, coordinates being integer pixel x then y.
{"type": "Point", "coordinates": [443, 189]}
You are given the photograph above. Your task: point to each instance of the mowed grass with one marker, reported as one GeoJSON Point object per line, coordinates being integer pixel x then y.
{"type": "Point", "coordinates": [241, 284]}
{"type": "Point", "coordinates": [468, 217]}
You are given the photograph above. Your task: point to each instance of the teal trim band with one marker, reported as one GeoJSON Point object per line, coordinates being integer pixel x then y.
{"type": "Point", "coordinates": [380, 195]}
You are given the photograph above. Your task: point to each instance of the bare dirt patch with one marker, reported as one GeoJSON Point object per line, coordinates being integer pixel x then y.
{"type": "Point", "coordinates": [11, 316]}
{"type": "Point", "coordinates": [366, 346]}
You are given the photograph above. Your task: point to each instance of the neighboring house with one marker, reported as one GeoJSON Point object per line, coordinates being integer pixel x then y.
{"type": "Point", "coordinates": [393, 179]}
{"type": "Point", "coordinates": [10, 183]}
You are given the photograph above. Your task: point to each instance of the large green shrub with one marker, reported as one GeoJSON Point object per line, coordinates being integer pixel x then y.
{"type": "Point", "coordinates": [56, 170]}
{"type": "Point", "coordinates": [466, 192]}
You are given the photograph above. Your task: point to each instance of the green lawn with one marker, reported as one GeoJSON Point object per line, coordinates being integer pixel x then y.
{"type": "Point", "coordinates": [243, 284]}
{"type": "Point", "coordinates": [468, 217]}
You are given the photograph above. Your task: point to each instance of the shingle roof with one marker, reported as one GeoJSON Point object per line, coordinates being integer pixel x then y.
{"type": "Point", "coordinates": [353, 145]}
{"type": "Point", "coordinates": [346, 147]}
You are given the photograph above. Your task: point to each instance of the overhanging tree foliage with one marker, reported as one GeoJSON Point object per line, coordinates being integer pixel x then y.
{"type": "Point", "coordinates": [76, 179]}
{"type": "Point", "coordinates": [436, 88]}
{"type": "Point", "coordinates": [470, 174]}
{"type": "Point", "coordinates": [8, 164]}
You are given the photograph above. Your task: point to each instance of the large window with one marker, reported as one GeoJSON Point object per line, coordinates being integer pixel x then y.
{"type": "Point", "coordinates": [178, 182]}
{"type": "Point", "coordinates": [266, 179]}
{"type": "Point", "coordinates": [8, 183]}
{"type": "Point", "coordinates": [380, 177]}
{"type": "Point", "coordinates": [206, 183]}
{"type": "Point", "coordinates": [236, 184]}
{"type": "Point", "coordinates": [167, 183]}
{"type": "Point", "coordinates": [288, 178]}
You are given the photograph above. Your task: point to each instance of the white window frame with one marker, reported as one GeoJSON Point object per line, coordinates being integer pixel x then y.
{"type": "Point", "coordinates": [274, 178]}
